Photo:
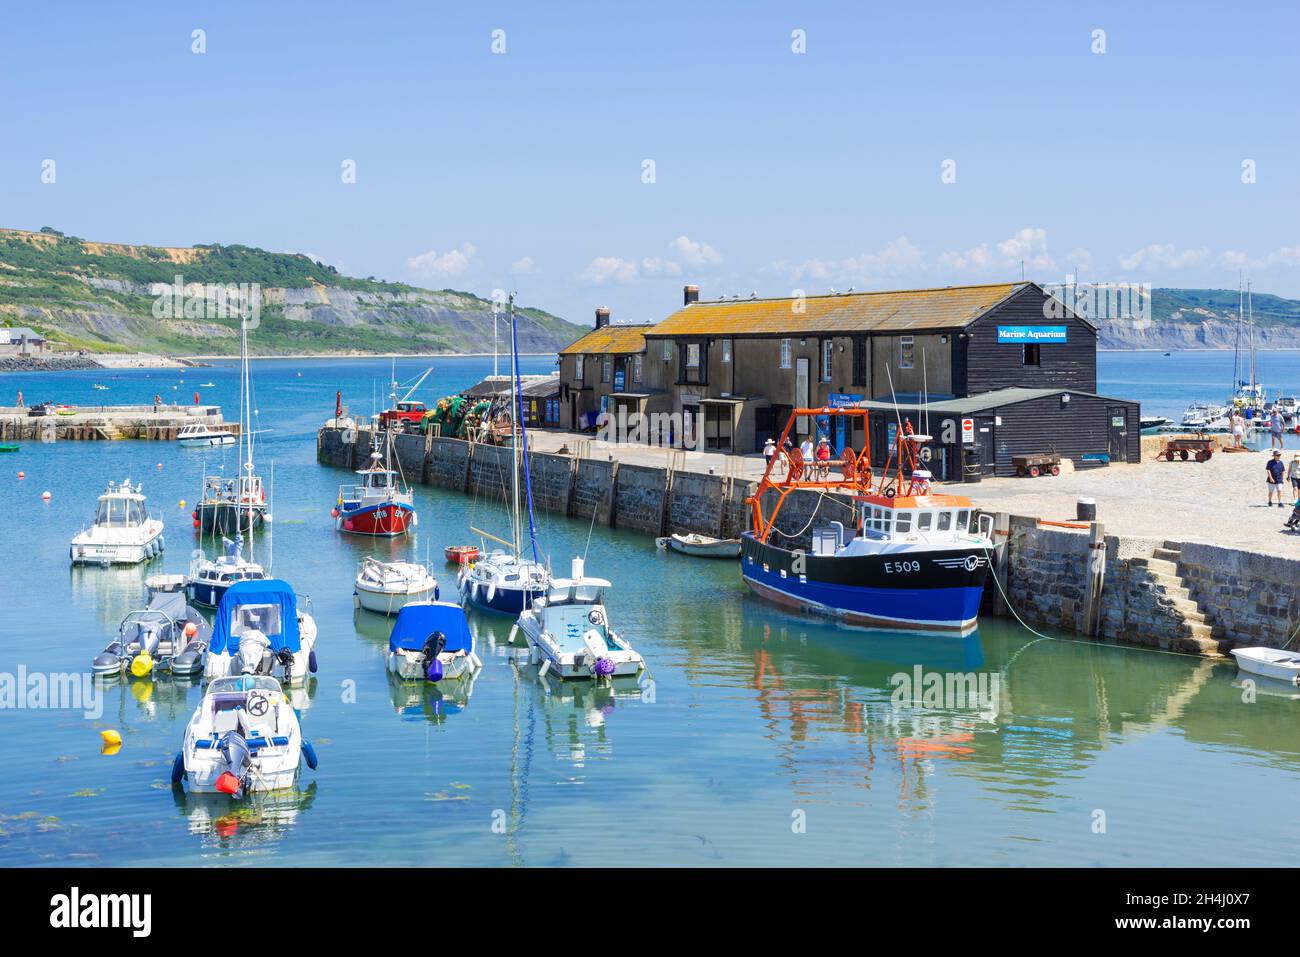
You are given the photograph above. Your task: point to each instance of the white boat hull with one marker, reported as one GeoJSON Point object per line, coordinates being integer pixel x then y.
{"type": "Point", "coordinates": [1269, 663]}
{"type": "Point", "coordinates": [207, 441]}
{"type": "Point", "coordinates": [96, 547]}
{"type": "Point", "coordinates": [702, 546]}
{"type": "Point", "coordinates": [408, 666]}
{"type": "Point", "coordinates": [391, 602]}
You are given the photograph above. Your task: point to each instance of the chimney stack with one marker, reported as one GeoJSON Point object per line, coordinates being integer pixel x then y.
{"type": "Point", "coordinates": [690, 294]}
{"type": "Point", "coordinates": [602, 317]}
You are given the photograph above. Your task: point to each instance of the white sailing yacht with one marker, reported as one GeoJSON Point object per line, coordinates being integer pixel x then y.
{"type": "Point", "coordinates": [229, 506]}
{"type": "Point", "coordinates": [504, 581]}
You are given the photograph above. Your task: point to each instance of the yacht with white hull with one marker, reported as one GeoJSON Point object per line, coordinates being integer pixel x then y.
{"type": "Point", "coordinates": [123, 533]}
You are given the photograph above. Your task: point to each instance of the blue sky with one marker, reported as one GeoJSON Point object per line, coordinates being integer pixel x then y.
{"type": "Point", "coordinates": [773, 170]}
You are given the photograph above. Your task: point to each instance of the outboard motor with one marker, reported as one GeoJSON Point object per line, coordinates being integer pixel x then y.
{"type": "Point", "coordinates": [254, 646]}
{"type": "Point", "coordinates": [234, 749]}
{"type": "Point", "coordinates": [285, 657]}
{"type": "Point", "coordinates": [429, 659]}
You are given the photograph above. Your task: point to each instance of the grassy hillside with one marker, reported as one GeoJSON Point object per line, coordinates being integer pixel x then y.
{"type": "Point", "coordinates": [97, 297]}
{"type": "Point", "coordinates": [1198, 305]}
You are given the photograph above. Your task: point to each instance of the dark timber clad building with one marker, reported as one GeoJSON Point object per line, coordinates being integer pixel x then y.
{"type": "Point", "coordinates": [1004, 355]}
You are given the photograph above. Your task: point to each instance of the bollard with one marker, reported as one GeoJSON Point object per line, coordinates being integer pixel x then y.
{"type": "Point", "coordinates": [1085, 510]}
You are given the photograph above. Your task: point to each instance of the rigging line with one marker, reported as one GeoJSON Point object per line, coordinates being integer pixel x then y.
{"type": "Point", "coordinates": [523, 430]}
{"type": "Point", "coordinates": [813, 517]}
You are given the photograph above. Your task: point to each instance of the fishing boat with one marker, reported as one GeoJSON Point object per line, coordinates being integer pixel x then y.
{"type": "Point", "coordinates": [568, 631]}
{"type": "Point", "coordinates": [431, 641]}
{"type": "Point", "coordinates": [167, 633]}
{"type": "Point", "coordinates": [200, 435]}
{"type": "Point", "coordinates": [386, 587]}
{"type": "Point", "coordinates": [209, 578]}
{"type": "Point", "coordinates": [909, 559]}
{"type": "Point", "coordinates": [1269, 663]}
{"type": "Point", "coordinates": [460, 554]}
{"type": "Point", "coordinates": [701, 546]}
{"type": "Point", "coordinates": [243, 737]}
{"type": "Point", "coordinates": [259, 629]}
{"type": "Point", "coordinates": [122, 532]}
{"type": "Point", "coordinates": [380, 504]}
{"type": "Point", "coordinates": [504, 581]}
{"type": "Point", "coordinates": [228, 506]}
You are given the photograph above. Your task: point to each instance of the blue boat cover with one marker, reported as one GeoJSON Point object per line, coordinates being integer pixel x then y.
{"type": "Point", "coordinates": [268, 591]}
{"type": "Point", "coordinates": [416, 622]}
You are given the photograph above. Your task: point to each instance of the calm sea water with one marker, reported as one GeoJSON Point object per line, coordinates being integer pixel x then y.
{"type": "Point", "coordinates": [766, 738]}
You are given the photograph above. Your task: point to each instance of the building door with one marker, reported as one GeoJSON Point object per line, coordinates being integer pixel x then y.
{"type": "Point", "coordinates": [801, 384]}
{"type": "Point", "coordinates": [984, 439]}
{"type": "Point", "coordinates": [1118, 433]}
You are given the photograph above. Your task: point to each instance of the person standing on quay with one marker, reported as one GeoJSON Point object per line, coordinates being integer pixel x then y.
{"type": "Point", "coordinates": [1276, 472]}
{"type": "Point", "coordinates": [1293, 473]}
{"type": "Point", "coordinates": [1238, 428]}
{"type": "Point", "coordinates": [1275, 430]}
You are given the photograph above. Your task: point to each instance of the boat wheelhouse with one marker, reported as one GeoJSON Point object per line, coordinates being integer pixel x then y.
{"type": "Point", "coordinates": [229, 506]}
{"type": "Point", "coordinates": [906, 559]}
{"type": "Point", "coordinates": [122, 533]}
{"type": "Point", "coordinates": [209, 578]}
{"type": "Point", "coordinates": [379, 504]}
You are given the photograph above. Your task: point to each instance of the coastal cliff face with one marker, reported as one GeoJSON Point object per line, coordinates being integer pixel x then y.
{"type": "Point", "coordinates": [1171, 336]}
{"type": "Point", "coordinates": [102, 297]}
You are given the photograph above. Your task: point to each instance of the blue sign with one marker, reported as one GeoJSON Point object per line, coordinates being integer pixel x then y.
{"type": "Point", "coordinates": [1031, 334]}
{"type": "Point", "coordinates": [842, 400]}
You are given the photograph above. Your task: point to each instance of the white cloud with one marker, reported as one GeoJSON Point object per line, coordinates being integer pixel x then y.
{"type": "Point", "coordinates": [609, 269]}
{"type": "Point", "coordinates": [435, 265]}
{"type": "Point", "coordinates": [1166, 256]}
{"type": "Point", "coordinates": [900, 256]}
{"type": "Point", "coordinates": [695, 254]}
{"type": "Point", "coordinates": [1028, 245]}
{"type": "Point", "coordinates": [660, 267]}
{"type": "Point", "coordinates": [524, 267]}
{"type": "Point", "coordinates": [1286, 256]}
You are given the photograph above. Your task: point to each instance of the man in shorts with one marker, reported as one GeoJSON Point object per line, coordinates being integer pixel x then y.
{"type": "Point", "coordinates": [1276, 473]}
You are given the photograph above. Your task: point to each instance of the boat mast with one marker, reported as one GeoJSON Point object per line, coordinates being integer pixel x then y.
{"type": "Point", "coordinates": [514, 432]}
{"type": "Point", "coordinates": [1236, 353]}
{"type": "Point", "coordinates": [1250, 314]}
{"type": "Point", "coordinates": [243, 482]}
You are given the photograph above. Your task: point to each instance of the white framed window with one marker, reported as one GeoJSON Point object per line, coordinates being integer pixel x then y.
{"type": "Point", "coordinates": [636, 368]}
{"type": "Point", "coordinates": [785, 353]}
{"type": "Point", "coordinates": [607, 369]}
{"type": "Point", "coordinates": [692, 355]}
{"type": "Point", "coordinates": [726, 350]}
{"type": "Point", "coordinates": [668, 350]}
{"type": "Point", "coordinates": [828, 351]}
{"type": "Point", "coordinates": [906, 351]}
{"type": "Point", "coordinates": [579, 367]}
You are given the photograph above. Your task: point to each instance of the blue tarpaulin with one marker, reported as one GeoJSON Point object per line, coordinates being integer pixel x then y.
{"type": "Point", "coordinates": [417, 621]}
{"type": "Point", "coordinates": [269, 605]}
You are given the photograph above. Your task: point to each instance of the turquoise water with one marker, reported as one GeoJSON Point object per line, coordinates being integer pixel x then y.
{"type": "Point", "coordinates": [764, 738]}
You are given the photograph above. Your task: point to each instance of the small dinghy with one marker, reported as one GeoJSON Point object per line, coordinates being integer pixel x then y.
{"type": "Point", "coordinates": [168, 634]}
{"type": "Point", "coordinates": [385, 587]}
{"type": "Point", "coordinates": [243, 737]}
{"type": "Point", "coordinates": [431, 641]}
{"type": "Point", "coordinates": [460, 554]}
{"type": "Point", "coordinates": [568, 633]}
{"type": "Point", "coordinates": [701, 546]}
{"type": "Point", "coordinates": [1269, 663]}
{"type": "Point", "coordinates": [259, 630]}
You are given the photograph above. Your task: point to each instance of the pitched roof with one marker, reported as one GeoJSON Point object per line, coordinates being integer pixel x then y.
{"type": "Point", "coordinates": [611, 338]}
{"type": "Point", "coordinates": [917, 309]}
{"type": "Point", "coordinates": [979, 402]}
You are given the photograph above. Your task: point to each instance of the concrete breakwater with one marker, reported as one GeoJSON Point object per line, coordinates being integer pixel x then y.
{"type": "Point", "coordinates": [1169, 594]}
{"type": "Point", "coordinates": [162, 423]}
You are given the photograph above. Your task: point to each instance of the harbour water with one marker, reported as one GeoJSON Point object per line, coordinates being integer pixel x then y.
{"type": "Point", "coordinates": [763, 739]}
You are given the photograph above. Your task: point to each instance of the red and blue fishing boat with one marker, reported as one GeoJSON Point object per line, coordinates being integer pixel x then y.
{"type": "Point", "coordinates": [905, 558]}
{"type": "Point", "coordinates": [380, 504]}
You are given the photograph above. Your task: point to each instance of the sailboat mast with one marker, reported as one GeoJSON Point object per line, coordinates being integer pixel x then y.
{"type": "Point", "coordinates": [514, 434]}
{"type": "Point", "coordinates": [1236, 352]}
{"type": "Point", "coordinates": [1250, 313]}
{"type": "Point", "coordinates": [243, 483]}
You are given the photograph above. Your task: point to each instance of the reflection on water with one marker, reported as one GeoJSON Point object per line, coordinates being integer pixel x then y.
{"type": "Point", "coordinates": [993, 748]}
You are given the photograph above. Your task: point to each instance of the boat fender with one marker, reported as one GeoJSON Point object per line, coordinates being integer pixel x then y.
{"type": "Point", "coordinates": [311, 661]}
{"type": "Point", "coordinates": [602, 667]}
{"type": "Point", "coordinates": [142, 664]}
{"type": "Point", "coordinates": [473, 590]}
{"type": "Point", "coordinates": [178, 768]}
{"type": "Point", "coordinates": [475, 661]}
{"type": "Point", "coordinates": [491, 592]}
{"type": "Point", "coordinates": [309, 753]}
{"type": "Point", "coordinates": [514, 630]}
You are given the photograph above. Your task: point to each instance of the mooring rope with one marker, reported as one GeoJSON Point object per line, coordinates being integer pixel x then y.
{"type": "Point", "coordinates": [813, 517]}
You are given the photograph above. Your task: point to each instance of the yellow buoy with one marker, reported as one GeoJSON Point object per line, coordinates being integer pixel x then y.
{"type": "Point", "coordinates": [142, 664]}
{"type": "Point", "coordinates": [182, 503]}
{"type": "Point", "coordinates": [111, 738]}
{"type": "Point", "coordinates": [110, 748]}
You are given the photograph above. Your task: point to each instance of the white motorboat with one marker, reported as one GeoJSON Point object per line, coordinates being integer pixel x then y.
{"type": "Point", "coordinates": [701, 546]}
{"type": "Point", "coordinates": [200, 435]}
{"type": "Point", "coordinates": [210, 577]}
{"type": "Point", "coordinates": [258, 629]}
{"type": "Point", "coordinates": [168, 634]}
{"type": "Point", "coordinates": [431, 641]}
{"type": "Point", "coordinates": [385, 587]}
{"type": "Point", "coordinates": [1206, 417]}
{"type": "Point", "coordinates": [243, 737]}
{"type": "Point", "coordinates": [568, 632]}
{"type": "Point", "coordinates": [1269, 663]}
{"type": "Point", "coordinates": [123, 533]}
